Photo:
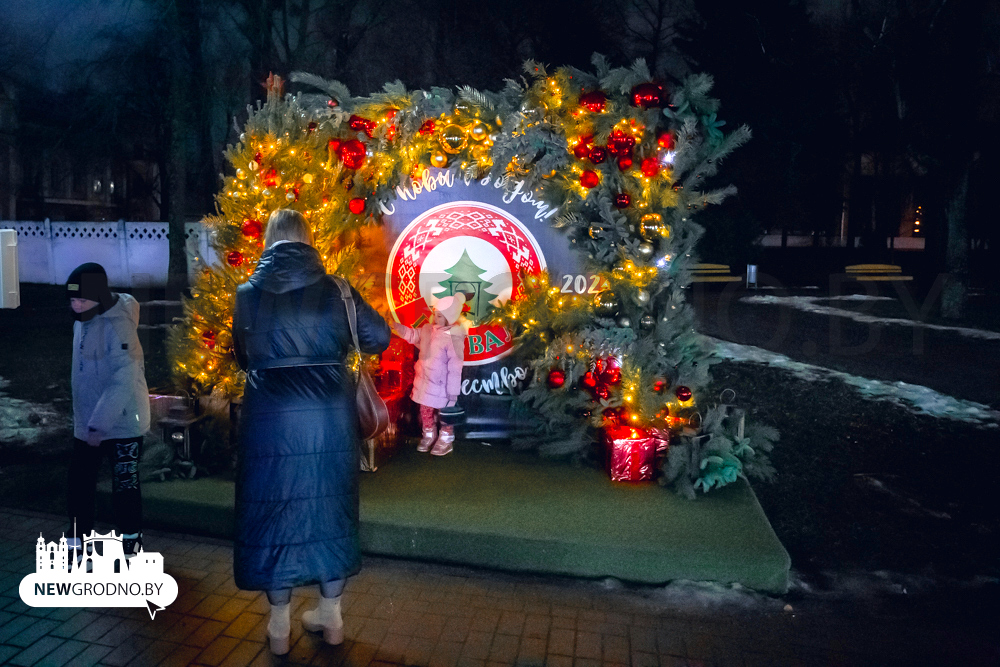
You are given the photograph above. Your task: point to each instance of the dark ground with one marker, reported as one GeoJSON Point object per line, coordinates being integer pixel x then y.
{"type": "Point", "coordinates": [862, 485]}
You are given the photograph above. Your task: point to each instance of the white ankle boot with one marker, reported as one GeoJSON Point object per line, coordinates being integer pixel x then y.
{"type": "Point", "coordinates": [430, 435]}
{"type": "Point", "coordinates": [326, 617]}
{"type": "Point", "coordinates": [444, 443]}
{"type": "Point", "coordinates": [279, 628]}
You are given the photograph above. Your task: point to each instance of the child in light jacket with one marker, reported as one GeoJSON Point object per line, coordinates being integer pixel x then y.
{"type": "Point", "coordinates": [110, 403]}
{"type": "Point", "coordinates": [437, 378]}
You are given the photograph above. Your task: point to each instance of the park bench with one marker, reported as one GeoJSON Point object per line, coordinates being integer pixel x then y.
{"type": "Point", "coordinates": [713, 273]}
{"type": "Point", "coordinates": [876, 273]}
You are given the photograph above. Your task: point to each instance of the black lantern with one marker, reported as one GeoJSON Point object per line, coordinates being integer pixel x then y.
{"type": "Point", "coordinates": [179, 429]}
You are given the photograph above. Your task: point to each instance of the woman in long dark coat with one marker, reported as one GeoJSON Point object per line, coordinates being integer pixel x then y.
{"type": "Point", "coordinates": [297, 479]}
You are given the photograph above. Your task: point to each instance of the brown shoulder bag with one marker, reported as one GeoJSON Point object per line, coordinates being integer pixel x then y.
{"type": "Point", "coordinates": [372, 412]}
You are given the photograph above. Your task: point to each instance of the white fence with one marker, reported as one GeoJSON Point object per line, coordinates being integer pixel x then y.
{"type": "Point", "coordinates": [135, 254]}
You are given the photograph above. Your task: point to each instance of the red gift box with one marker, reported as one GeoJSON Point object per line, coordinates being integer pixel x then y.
{"type": "Point", "coordinates": [631, 453]}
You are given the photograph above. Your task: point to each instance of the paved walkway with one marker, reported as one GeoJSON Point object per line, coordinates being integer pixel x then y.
{"type": "Point", "coordinates": [420, 614]}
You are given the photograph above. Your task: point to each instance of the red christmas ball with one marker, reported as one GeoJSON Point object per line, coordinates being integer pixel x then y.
{"type": "Point", "coordinates": [659, 385]}
{"type": "Point", "coordinates": [683, 394]}
{"type": "Point", "coordinates": [625, 163]}
{"type": "Point", "coordinates": [665, 140]}
{"type": "Point", "coordinates": [334, 145]}
{"type": "Point", "coordinates": [647, 95]}
{"type": "Point", "coordinates": [257, 157]}
{"type": "Point", "coordinates": [251, 228]}
{"type": "Point", "coordinates": [589, 179]}
{"type": "Point", "coordinates": [611, 376]}
{"type": "Point", "coordinates": [582, 149]}
{"type": "Point", "coordinates": [603, 392]}
{"type": "Point", "coordinates": [208, 337]}
{"type": "Point", "coordinates": [598, 154]}
{"type": "Point", "coordinates": [357, 205]}
{"type": "Point", "coordinates": [271, 177]}
{"type": "Point", "coordinates": [556, 378]}
{"type": "Point", "coordinates": [650, 167]}
{"type": "Point", "coordinates": [622, 200]}
{"type": "Point", "coordinates": [234, 259]}
{"type": "Point", "coordinates": [312, 126]}
{"type": "Point", "coordinates": [427, 127]}
{"type": "Point", "coordinates": [332, 103]}
{"type": "Point", "coordinates": [352, 152]}
{"type": "Point", "coordinates": [620, 143]}
{"type": "Point", "coordinates": [588, 381]}
{"type": "Point", "coordinates": [359, 124]}
{"type": "Point", "coordinates": [594, 101]}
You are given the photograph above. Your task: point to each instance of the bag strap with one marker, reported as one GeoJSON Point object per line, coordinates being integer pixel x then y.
{"type": "Point", "coordinates": [352, 313]}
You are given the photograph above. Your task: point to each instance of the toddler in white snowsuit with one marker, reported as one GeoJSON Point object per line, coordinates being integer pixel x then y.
{"type": "Point", "coordinates": [437, 378]}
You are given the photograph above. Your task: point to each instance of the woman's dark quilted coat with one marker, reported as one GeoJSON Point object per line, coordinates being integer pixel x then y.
{"type": "Point", "coordinates": [297, 480]}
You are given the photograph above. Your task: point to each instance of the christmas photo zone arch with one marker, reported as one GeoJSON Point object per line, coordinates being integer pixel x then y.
{"type": "Point", "coordinates": [561, 208]}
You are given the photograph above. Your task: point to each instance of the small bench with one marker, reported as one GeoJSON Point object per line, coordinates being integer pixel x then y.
{"type": "Point", "coordinates": [876, 273]}
{"type": "Point", "coordinates": [713, 273]}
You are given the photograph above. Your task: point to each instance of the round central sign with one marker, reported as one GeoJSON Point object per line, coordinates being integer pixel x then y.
{"type": "Point", "coordinates": [469, 247]}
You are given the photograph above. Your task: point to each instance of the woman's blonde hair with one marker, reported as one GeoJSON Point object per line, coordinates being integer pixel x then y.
{"type": "Point", "coordinates": [287, 225]}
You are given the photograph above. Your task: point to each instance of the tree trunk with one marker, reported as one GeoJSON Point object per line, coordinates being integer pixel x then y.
{"type": "Point", "coordinates": [957, 254]}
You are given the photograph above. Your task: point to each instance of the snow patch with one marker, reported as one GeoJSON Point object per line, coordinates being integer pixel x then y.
{"type": "Point", "coordinates": [26, 422]}
{"type": "Point", "coordinates": [702, 596]}
{"type": "Point", "coordinates": [809, 304]}
{"type": "Point", "coordinates": [913, 397]}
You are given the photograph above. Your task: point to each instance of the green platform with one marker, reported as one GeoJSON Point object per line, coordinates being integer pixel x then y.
{"type": "Point", "coordinates": [512, 511]}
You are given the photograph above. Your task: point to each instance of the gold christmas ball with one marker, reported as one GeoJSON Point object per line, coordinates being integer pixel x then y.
{"type": "Point", "coordinates": [290, 196]}
{"type": "Point", "coordinates": [453, 139]}
{"type": "Point", "coordinates": [625, 322]}
{"type": "Point", "coordinates": [595, 231]}
{"type": "Point", "coordinates": [267, 192]}
{"type": "Point", "coordinates": [645, 250]}
{"type": "Point", "coordinates": [479, 132]}
{"type": "Point", "coordinates": [651, 226]}
{"type": "Point", "coordinates": [240, 174]}
{"type": "Point", "coordinates": [224, 339]}
{"type": "Point", "coordinates": [606, 304]}
{"type": "Point", "coordinates": [253, 165]}
{"type": "Point", "coordinates": [642, 297]}
{"type": "Point", "coordinates": [307, 178]}
{"type": "Point", "coordinates": [647, 322]}
{"type": "Point", "coordinates": [439, 160]}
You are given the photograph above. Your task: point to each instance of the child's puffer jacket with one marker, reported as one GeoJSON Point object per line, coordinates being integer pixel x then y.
{"type": "Point", "coordinates": [109, 381]}
{"type": "Point", "coordinates": [437, 380]}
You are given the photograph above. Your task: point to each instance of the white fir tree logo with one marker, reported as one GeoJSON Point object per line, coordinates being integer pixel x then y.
{"type": "Point", "coordinates": [466, 277]}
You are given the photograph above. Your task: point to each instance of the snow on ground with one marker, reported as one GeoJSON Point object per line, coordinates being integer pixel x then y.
{"type": "Point", "coordinates": [913, 397]}
{"type": "Point", "coordinates": [810, 304]}
{"type": "Point", "coordinates": [25, 422]}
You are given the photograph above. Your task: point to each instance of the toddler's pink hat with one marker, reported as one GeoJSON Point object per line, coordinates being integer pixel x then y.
{"type": "Point", "coordinates": [450, 307]}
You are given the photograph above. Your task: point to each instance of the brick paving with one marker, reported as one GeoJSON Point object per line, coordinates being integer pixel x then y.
{"type": "Point", "coordinates": [405, 613]}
